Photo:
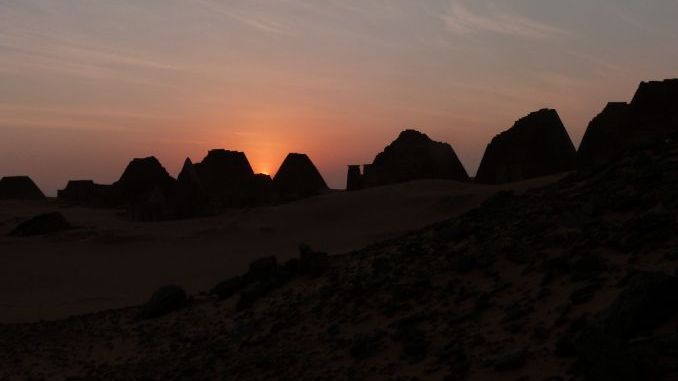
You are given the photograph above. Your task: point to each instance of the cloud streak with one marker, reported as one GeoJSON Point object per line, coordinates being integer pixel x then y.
{"type": "Point", "coordinates": [461, 18]}
{"type": "Point", "coordinates": [249, 19]}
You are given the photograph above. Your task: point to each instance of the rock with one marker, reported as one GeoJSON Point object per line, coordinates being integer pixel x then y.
{"type": "Point", "coordinates": [647, 300]}
{"type": "Point", "coordinates": [229, 287]}
{"type": "Point", "coordinates": [651, 227]}
{"type": "Point", "coordinates": [19, 188]}
{"type": "Point", "coordinates": [262, 269]}
{"type": "Point", "coordinates": [140, 179]}
{"type": "Point", "coordinates": [651, 116]}
{"type": "Point", "coordinates": [584, 294]}
{"type": "Point", "coordinates": [298, 177]}
{"type": "Point", "coordinates": [537, 145]}
{"type": "Point", "coordinates": [414, 341]}
{"type": "Point", "coordinates": [511, 359]}
{"type": "Point", "coordinates": [42, 224]}
{"type": "Point", "coordinates": [256, 291]}
{"type": "Point", "coordinates": [290, 268]}
{"type": "Point", "coordinates": [588, 267]}
{"type": "Point", "coordinates": [608, 348]}
{"type": "Point", "coordinates": [312, 262]}
{"type": "Point", "coordinates": [366, 345]}
{"type": "Point", "coordinates": [454, 354]}
{"type": "Point", "coordinates": [412, 156]}
{"type": "Point", "coordinates": [165, 300]}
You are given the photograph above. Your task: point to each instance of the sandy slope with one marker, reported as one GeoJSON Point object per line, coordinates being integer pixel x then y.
{"type": "Point", "coordinates": [110, 262]}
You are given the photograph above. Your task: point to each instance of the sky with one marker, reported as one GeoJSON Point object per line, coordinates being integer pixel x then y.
{"type": "Point", "coordinates": [86, 85]}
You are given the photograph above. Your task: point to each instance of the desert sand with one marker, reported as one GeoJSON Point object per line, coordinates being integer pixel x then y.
{"type": "Point", "coordinates": [109, 262]}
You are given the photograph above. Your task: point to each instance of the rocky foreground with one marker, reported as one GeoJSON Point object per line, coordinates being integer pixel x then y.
{"type": "Point", "coordinates": [574, 281]}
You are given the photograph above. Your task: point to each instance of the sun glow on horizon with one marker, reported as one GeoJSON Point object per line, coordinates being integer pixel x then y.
{"type": "Point", "coordinates": [335, 80]}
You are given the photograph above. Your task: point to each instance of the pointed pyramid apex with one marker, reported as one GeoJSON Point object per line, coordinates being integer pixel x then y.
{"type": "Point", "coordinates": [299, 177]}
{"type": "Point", "coordinates": [188, 173]}
{"type": "Point", "coordinates": [188, 168]}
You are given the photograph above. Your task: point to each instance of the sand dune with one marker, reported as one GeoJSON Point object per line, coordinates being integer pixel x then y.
{"type": "Point", "coordinates": [110, 262]}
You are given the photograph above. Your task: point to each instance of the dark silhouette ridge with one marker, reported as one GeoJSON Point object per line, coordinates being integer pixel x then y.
{"type": "Point", "coordinates": [298, 177]}
{"type": "Point", "coordinates": [537, 145]}
{"type": "Point", "coordinates": [412, 156]}
{"type": "Point", "coordinates": [19, 188]}
{"type": "Point", "coordinates": [140, 178]}
{"type": "Point", "coordinates": [652, 115]}
{"type": "Point", "coordinates": [224, 179]}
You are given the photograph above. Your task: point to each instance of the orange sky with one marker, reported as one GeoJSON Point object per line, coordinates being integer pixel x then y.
{"type": "Point", "coordinates": [87, 85]}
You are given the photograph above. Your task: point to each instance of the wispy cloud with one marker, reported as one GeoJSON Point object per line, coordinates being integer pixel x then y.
{"type": "Point", "coordinates": [254, 20]}
{"type": "Point", "coordinates": [487, 17]}
{"type": "Point", "coordinates": [600, 63]}
{"type": "Point", "coordinates": [37, 40]}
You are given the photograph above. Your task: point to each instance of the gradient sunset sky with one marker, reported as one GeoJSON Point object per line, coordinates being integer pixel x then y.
{"type": "Point", "coordinates": [86, 85]}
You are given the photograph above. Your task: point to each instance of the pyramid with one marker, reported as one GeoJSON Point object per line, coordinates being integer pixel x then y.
{"type": "Point", "coordinates": [298, 177]}
{"type": "Point", "coordinates": [537, 145]}
{"type": "Point", "coordinates": [19, 188]}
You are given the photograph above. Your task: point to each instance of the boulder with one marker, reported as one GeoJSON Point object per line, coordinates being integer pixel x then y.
{"type": "Point", "coordinates": [165, 300]}
{"type": "Point", "coordinates": [537, 145]}
{"type": "Point", "coordinates": [19, 188]}
{"type": "Point", "coordinates": [229, 287]}
{"type": "Point", "coordinates": [412, 156]}
{"type": "Point", "coordinates": [313, 263]}
{"type": "Point", "coordinates": [139, 179]}
{"type": "Point", "coordinates": [298, 177]}
{"type": "Point", "coordinates": [262, 269]}
{"type": "Point", "coordinates": [651, 116]}
{"type": "Point", "coordinates": [41, 224]}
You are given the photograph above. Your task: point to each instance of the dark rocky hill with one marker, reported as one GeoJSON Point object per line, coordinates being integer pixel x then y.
{"type": "Point", "coordinates": [573, 281]}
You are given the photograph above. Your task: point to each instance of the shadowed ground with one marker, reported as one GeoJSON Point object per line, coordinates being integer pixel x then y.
{"type": "Point", "coordinates": [111, 262]}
